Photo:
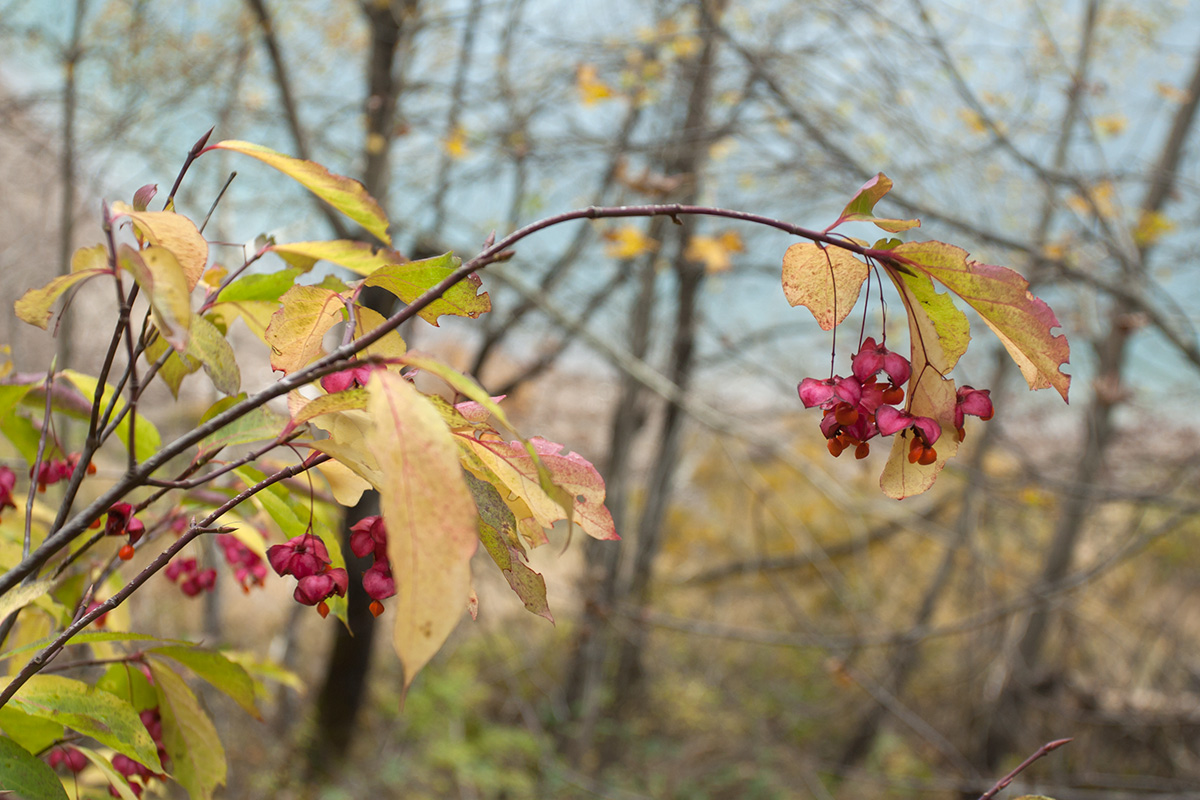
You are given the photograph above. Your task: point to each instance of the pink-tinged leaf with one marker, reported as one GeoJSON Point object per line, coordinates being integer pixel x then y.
{"type": "Point", "coordinates": [473, 391]}
{"type": "Point", "coordinates": [298, 328]}
{"type": "Point", "coordinates": [525, 582]}
{"type": "Point", "coordinates": [345, 194]}
{"type": "Point", "coordinates": [861, 207]}
{"type": "Point", "coordinates": [826, 281]}
{"type": "Point", "coordinates": [498, 532]}
{"type": "Point", "coordinates": [515, 466]}
{"type": "Point", "coordinates": [158, 273]}
{"type": "Point", "coordinates": [34, 306]}
{"type": "Point", "coordinates": [410, 280]}
{"type": "Point", "coordinates": [174, 232]}
{"type": "Point", "coordinates": [431, 520]}
{"type": "Point", "coordinates": [1022, 322]}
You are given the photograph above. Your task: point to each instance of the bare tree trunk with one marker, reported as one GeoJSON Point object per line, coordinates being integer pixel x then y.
{"type": "Point", "coordinates": [348, 667]}
{"type": "Point", "coordinates": [606, 673]}
{"type": "Point", "coordinates": [66, 231]}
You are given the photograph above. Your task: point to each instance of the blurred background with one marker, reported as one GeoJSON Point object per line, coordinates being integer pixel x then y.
{"type": "Point", "coordinates": [770, 625]}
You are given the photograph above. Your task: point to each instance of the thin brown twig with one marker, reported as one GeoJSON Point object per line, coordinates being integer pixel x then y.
{"type": "Point", "coordinates": [1007, 779]}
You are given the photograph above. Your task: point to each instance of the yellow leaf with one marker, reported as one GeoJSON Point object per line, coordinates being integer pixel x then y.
{"type": "Point", "coordinates": [430, 518]}
{"type": "Point", "coordinates": [1172, 93]}
{"type": "Point", "coordinates": [1102, 196]}
{"type": "Point", "coordinates": [714, 252]}
{"type": "Point", "coordinates": [1151, 228]}
{"type": "Point", "coordinates": [174, 232]}
{"type": "Point", "coordinates": [628, 241]}
{"type": "Point", "coordinates": [1112, 124]}
{"type": "Point", "coordinates": [213, 276]}
{"type": "Point", "coordinates": [591, 89]}
{"type": "Point", "coordinates": [973, 120]}
{"type": "Point", "coordinates": [345, 194]}
{"type": "Point", "coordinates": [89, 258]}
{"type": "Point", "coordinates": [685, 46]}
{"type": "Point", "coordinates": [298, 328]}
{"type": "Point", "coordinates": [456, 143]}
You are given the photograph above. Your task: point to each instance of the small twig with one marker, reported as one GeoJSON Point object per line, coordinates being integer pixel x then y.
{"type": "Point", "coordinates": [1007, 779]}
{"type": "Point", "coordinates": [213, 207]}
{"type": "Point", "coordinates": [27, 544]}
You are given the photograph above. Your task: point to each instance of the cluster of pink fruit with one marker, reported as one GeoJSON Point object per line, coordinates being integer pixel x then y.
{"type": "Point", "coordinates": [858, 408]}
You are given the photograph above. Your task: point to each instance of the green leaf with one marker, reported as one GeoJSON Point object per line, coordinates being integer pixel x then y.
{"type": "Point", "coordinates": [297, 330]}
{"type": "Point", "coordinates": [128, 682]}
{"type": "Point", "coordinates": [410, 280]}
{"type": "Point", "coordinates": [91, 637]}
{"type": "Point", "coordinates": [272, 501]}
{"type": "Point", "coordinates": [24, 436]}
{"type": "Point", "coordinates": [174, 368]}
{"type": "Point", "coordinates": [498, 532]}
{"type": "Point", "coordinates": [148, 441]}
{"type": "Point", "coordinates": [261, 286]}
{"type": "Point", "coordinates": [345, 194]}
{"type": "Point", "coordinates": [430, 518]}
{"type": "Point", "coordinates": [825, 280]}
{"type": "Point", "coordinates": [93, 712]}
{"type": "Point", "coordinates": [862, 207]}
{"type": "Point", "coordinates": [34, 306]}
{"type": "Point", "coordinates": [258, 425]}
{"type": "Point", "coordinates": [174, 233]}
{"type": "Point", "coordinates": [939, 334]}
{"type": "Point", "coordinates": [261, 670]}
{"type": "Point", "coordinates": [197, 757]}
{"type": "Point", "coordinates": [33, 733]}
{"type": "Point", "coordinates": [23, 595]}
{"type": "Point", "coordinates": [217, 670]}
{"type": "Point", "coordinates": [164, 283]}
{"type": "Point", "coordinates": [1022, 322]}
{"type": "Point", "coordinates": [936, 326]}
{"type": "Point", "coordinates": [26, 775]}
{"type": "Point", "coordinates": [210, 347]}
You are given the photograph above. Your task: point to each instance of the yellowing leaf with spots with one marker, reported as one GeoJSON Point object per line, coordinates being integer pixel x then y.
{"type": "Point", "coordinates": [430, 517]}
{"type": "Point", "coordinates": [825, 280]}
{"type": "Point", "coordinates": [628, 241]}
{"type": "Point", "coordinates": [298, 328]}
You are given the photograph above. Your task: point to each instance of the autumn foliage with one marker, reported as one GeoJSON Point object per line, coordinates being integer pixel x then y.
{"type": "Point", "coordinates": [450, 469]}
